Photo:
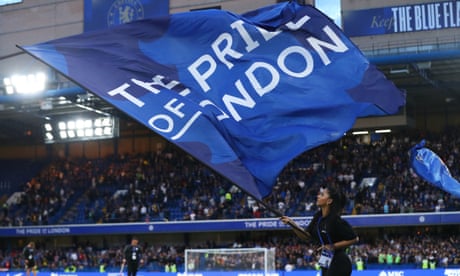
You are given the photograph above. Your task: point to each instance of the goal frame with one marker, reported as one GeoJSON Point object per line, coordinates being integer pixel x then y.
{"type": "Point", "coordinates": [268, 253]}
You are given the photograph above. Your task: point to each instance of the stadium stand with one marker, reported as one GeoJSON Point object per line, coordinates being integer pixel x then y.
{"type": "Point", "coordinates": [170, 185]}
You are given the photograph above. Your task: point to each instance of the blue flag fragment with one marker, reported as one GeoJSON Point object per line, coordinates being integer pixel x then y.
{"type": "Point", "coordinates": [244, 94]}
{"type": "Point", "coordinates": [430, 167]}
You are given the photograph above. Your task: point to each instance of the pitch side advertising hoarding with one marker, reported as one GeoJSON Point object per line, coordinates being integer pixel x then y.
{"type": "Point", "coordinates": [383, 272]}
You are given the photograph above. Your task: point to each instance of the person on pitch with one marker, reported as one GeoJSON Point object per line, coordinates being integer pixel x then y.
{"type": "Point", "coordinates": [29, 258]}
{"type": "Point", "coordinates": [133, 256]}
{"type": "Point", "coordinates": [330, 231]}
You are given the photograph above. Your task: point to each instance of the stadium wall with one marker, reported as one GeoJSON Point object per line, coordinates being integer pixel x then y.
{"type": "Point", "coordinates": [129, 142]}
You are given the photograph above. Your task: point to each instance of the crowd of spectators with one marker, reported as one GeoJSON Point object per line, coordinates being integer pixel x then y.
{"type": "Point", "coordinates": [171, 185]}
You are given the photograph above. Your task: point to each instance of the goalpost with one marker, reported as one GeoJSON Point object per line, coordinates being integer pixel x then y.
{"type": "Point", "coordinates": [243, 260]}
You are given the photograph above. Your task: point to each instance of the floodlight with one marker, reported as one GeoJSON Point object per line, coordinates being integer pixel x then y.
{"type": "Point", "coordinates": [89, 132]}
{"type": "Point", "coordinates": [25, 84]}
{"type": "Point", "coordinates": [80, 132]}
{"type": "Point", "coordinates": [362, 132]}
{"type": "Point", "coordinates": [80, 124]}
{"type": "Point", "coordinates": [383, 131]}
{"type": "Point", "coordinates": [106, 122]}
{"type": "Point", "coordinates": [108, 131]}
{"type": "Point", "coordinates": [62, 100]}
{"type": "Point", "coordinates": [49, 136]}
{"type": "Point", "coordinates": [48, 127]}
{"type": "Point", "coordinates": [80, 129]}
{"type": "Point", "coordinates": [404, 70]}
{"type": "Point", "coordinates": [88, 123]}
{"type": "Point", "coordinates": [63, 134]}
{"type": "Point", "coordinates": [98, 131]}
{"type": "Point", "coordinates": [8, 86]}
{"type": "Point", "coordinates": [71, 125]}
{"type": "Point", "coordinates": [62, 125]}
{"type": "Point", "coordinates": [98, 122]}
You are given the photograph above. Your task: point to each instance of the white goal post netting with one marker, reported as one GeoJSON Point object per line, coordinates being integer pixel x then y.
{"type": "Point", "coordinates": [254, 260]}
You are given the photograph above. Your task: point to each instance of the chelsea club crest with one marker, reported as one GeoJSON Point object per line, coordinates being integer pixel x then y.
{"type": "Point", "coordinates": [124, 11]}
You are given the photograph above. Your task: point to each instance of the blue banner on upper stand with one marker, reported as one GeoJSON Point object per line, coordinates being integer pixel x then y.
{"type": "Point", "coordinates": [244, 94]}
{"type": "Point", "coordinates": [108, 13]}
{"type": "Point", "coordinates": [429, 16]}
{"type": "Point", "coordinates": [430, 167]}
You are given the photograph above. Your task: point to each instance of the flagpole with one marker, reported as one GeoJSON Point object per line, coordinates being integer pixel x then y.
{"type": "Point", "coordinates": [279, 214]}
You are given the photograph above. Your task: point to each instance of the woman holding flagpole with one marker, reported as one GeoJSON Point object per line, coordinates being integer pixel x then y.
{"type": "Point", "coordinates": [331, 231]}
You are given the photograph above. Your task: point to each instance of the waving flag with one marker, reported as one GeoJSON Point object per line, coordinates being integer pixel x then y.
{"type": "Point", "coordinates": [432, 169]}
{"type": "Point", "coordinates": [244, 94]}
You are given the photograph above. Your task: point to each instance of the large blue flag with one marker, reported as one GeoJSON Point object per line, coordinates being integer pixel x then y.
{"type": "Point", "coordinates": [430, 167]}
{"type": "Point", "coordinates": [244, 94]}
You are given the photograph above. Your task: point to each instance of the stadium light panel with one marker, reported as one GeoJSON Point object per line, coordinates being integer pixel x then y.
{"type": "Point", "coordinates": [8, 86]}
{"type": "Point", "coordinates": [80, 132]}
{"type": "Point", "coordinates": [98, 122]}
{"type": "Point", "coordinates": [88, 123]}
{"type": "Point", "coordinates": [106, 122]}
{"type": "Point", "coordinates": [108, 131]}
{"type": "Point", "coordinates": [25, 84]}
{"type": "Point", "coordinates": [383, 131]}
{"type": "Point", "coordinates": [363, 132]}
{"type": "Point", "coordinates": [89, 132]}
{"type": "Point", "coordinates": [79, 124]}
{"type": "Point", "coordinates": [62, 125]}
{"type": "Point", "coordinates": [80, 129]}
{"type": "Point", "coordinates": [98, 131]}
{"type": "Point", "coordinates": [48, 127]}
{"type": "Point", "coordinates": [400, 71]}
{"type": "Point", "coordinates": [62, 100]}
{"type": "Point", "coordinates": [63, 134]}
{"type": "Point", "coordinates": [71, 125]}
{"type": "Point", "coordinates": [49, 136]}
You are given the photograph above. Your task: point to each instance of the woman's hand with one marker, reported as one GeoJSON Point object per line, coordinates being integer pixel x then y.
{"type": "Point", "coordinates": [301, 233]}
{"type": "Point", "coordinates": [286, 220]}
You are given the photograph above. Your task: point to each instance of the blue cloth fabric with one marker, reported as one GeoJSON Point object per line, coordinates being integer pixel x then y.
{"type": "Point", "coordinates": [430, 167]}
{"type": "Point", "coordinates": [244, 94]}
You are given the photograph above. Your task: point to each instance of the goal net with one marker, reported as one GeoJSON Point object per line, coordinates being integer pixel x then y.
{"type": "Point", "coordinates": [244, 260]}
